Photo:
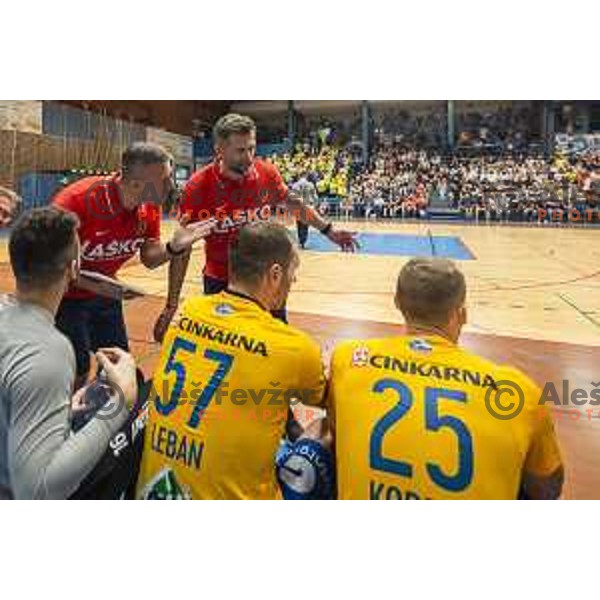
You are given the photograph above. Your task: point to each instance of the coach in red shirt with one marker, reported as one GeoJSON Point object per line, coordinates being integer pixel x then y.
{"type": "Point", "coordinates": [119, 217]}
{"type": "Point", "coordinates": [236, 188]}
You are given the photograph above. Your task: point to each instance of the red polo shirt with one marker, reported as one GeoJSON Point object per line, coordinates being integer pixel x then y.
{"type": "Point", "coordinates": [233, 202]}
{"type": "Point", "coordinates": [109, 234]}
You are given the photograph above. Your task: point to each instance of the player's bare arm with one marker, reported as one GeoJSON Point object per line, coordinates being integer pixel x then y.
{"type": "Point", "coordinates": [178, 268]}
{"type": "Point", "coordinates": [346, 240]}
{"type": "Point", "coordinates": [177, 272]}
{"type": "Point", "coordinates": [154, 253]}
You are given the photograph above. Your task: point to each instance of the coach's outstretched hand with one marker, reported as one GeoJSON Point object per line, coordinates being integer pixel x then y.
{"type": "Point", "coordinates": [186, 235]}
{"type": "Point", "coordinates": [346, 240]}
{"type": "Point", "coordinates": [9, 203]}
{"type": "Point", "coordinates": [163, 322]}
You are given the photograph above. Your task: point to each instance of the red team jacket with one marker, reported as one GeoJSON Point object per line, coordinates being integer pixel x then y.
{"type": "Point", "coordinates": [210, 194]}
{"type": "Point", "coordinates": [109, 234]}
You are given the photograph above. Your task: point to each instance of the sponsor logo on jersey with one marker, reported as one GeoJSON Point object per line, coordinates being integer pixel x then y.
{"type": "Point", "coordinates": [238, 217]}
{"type": "Point", "coordinates": [360, 357]}
{"type": "Point", "coordinates": [221, 336]}
{"type": "Point", "coordinates": [91, 251]}
{"type": "Point", "coordinates": [140, 422]}
{"type": "Point", "coordinates": [429, 370]}
{"type": "Point", "coordinates": [165, 487]}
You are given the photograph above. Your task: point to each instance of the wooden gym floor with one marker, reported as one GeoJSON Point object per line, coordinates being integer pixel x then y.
{"type": "Point", "coordinates": [533, 299]}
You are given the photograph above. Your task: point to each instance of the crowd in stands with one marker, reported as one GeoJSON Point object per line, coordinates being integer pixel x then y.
{"type": "Point", "coordinates": [327, 167]}
{"type": "Point", "coordinates": [403, 182]}
{"type": "Point", "coordinates": [508, 129]}
{"type": "Point", "coordinates": [498, 170]}
{"type": "Point", "coordinates": [424, 130]}
{"type": "Point", "coordinates": [393, 183]}
{"type": "Point", "coordinates": [400, 182]}
{"type": "Point", "coordinates": [502, 129]}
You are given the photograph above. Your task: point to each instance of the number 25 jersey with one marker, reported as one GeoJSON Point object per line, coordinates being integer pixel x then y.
{"type": "Point", "coordinates": [418, 418]}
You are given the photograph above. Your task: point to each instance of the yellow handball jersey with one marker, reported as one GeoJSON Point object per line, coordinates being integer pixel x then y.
{"type": "Point", "coordinates": [219, 405]}
{"type": "Point", "coordinates": [418, 418]}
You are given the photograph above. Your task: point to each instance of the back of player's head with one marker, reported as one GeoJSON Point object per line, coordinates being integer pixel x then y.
{"type": "Point", "coordinates": [231, 124]}
{"type": "Point", "coordinates": [143, 154]}
{"type": "Point", "coordinates": [42, 246]}
{"type": "Point", "coordinates": [429, 290]}
{"type": "Point", "coordinates": [259, 246]}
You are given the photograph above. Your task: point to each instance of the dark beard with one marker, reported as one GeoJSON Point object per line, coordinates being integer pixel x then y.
{"type": "Point", "coordinates": [239, 169]}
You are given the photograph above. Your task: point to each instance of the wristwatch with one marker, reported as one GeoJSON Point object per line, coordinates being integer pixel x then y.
{"type": "Point", "coordinates": [327, 229]}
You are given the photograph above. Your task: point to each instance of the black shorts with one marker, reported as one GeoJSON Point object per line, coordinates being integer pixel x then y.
{"type": "Point", "coordinates": [115, 475]}
{"type": "Point", "coordinates": [91, 324]}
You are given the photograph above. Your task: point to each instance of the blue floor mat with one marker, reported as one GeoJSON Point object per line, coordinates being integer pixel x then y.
{"type": "Point", "coordinates": [396, 244]}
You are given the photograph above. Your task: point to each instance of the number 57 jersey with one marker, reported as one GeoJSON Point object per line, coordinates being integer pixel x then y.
{"type": "Point", "coordinates": [227, 373]}
{"type": "Point", "coordinates": [421, 418]}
